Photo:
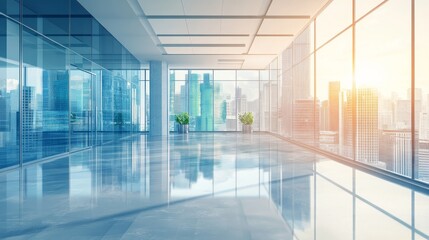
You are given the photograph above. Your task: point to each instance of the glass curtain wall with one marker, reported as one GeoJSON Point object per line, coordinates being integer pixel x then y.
{"type": "Point", "coordinates": [354, 84]}
{"type": "Point", "coordinates": [65, 82]}
{"type": "Point", "coordinates": [214, 98]}
{"type": "Point", "coordinates": [9, 91]}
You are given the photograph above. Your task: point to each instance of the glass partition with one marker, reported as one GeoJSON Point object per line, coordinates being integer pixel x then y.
{"type": "Point", "coordinates": [9, 93]}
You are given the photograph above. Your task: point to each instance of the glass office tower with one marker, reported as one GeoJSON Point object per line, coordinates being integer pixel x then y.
{"type": "Point", "coordinates": [65, 82]}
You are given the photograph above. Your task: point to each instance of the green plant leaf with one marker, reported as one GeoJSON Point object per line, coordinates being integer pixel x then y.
{"type": "Point", "coordinates": [246, 118]}
{"type": "Point", "coordinates": [182, 118]}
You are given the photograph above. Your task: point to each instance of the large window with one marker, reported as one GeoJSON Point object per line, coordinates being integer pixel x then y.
{"type": "Point", "coordinates": [45, 98]}
{"type": "Point", "coordinates": [334, 96]}
{"type": "Point", "coordinates": [368, 91]}
{"type": "Point", "coordinates": [421, 94]}
{"type": "Point", "coordinates": [9, 93]}
{"type": "Point", "coordinates": [383, 83]}
{"type": "Point", "coordinates": [214, 98]}
{"type": "Point", "coordinates": [67, 84]}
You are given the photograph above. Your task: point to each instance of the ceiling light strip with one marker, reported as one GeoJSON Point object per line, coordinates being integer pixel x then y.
{"type": "Point", "coordinates": [231, 60]}
{"type": "Point", "coordinates": [274, 35]}
{"type": "Point", "coordinates": [227, 17]}
{"type": "Point", "coordinates": [203, 35]}
{"type": "Point", "coordinates": [202, 45]}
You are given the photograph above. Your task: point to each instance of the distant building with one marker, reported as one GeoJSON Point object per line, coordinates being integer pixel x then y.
{"type": "Point", "coordinates": [367, 140]}
{"type": "Point", "coordinates": [395, 151]}
{"type": "Point", "coordinates": [328, 140]}
{"type": "Point", "coordinates": [422, 157]}
{"type": "Point", "coordinates": [4, 112]}
{"type": "Point", "coordinates": [324, 116]}
{"type": "Point", "coordinates": [205, 122]}
{"type": "Point", "coordinates": [334, 98]}
{"type": "Point", "coordinates": [305, 120]}
{"type": "Point", "coordinates": [345, 135]}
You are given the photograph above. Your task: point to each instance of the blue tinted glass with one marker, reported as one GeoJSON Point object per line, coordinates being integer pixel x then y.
{"type": "Point", "coordinates": [9, 93]}
{"type": "Point", "coordinates": [10, 8]}
{"type": "Point", "coordinates": [51, 18]}
{"type": "Point", "coordinates": [45, 117]}
{"type": "Point", "coordinates": [81, 113]}
{"type": "Point", "coordinates": [225, 111]}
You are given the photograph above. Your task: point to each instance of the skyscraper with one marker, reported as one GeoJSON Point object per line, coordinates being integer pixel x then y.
{"type": "Point", "coordinates": [423, 148]}
{"type": "Point", "coordinates": [206, 119]}
{"type": "Point", "coordinates": [4, 113]}
{"type": "Point", "coordinates": [395, 151]}
{"type": "Point", "coordinates": [324, 116]}
{"type": "Point", "coordinates": [334, 94]}
{"type": "Point", "coordinates": [306, 120]}
{"type": "Point", "coordinates": [367, 142]}
{"type": "Point", "coordinates": [346, 124]}
{"type": "Point", "coordinates": [194, 101]}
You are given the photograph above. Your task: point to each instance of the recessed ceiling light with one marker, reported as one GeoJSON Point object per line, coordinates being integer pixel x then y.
{"type": "Point", "coordinates": [230, 60]}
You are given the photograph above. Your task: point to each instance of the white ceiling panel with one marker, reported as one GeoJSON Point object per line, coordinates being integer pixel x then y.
{"type": "Point", "coordinates": [169, 26]}
{"type": "Point", "coordinates": [239, 26]}
{"type": "Point", "coordinates": [175, 40]}
{"type": "Point", "coordinates": [282, 26]}
{"type": "Point", "coordinates": [202, 7]}
{"type": "Point", "coordinates": [123, 18]}
{"type": "Point", "coordinates": [244, 7]}
{"type": "Point", "coordinates": [219, 50]}
{"type": "Point", "coordinates": [164, 7]}
{"type": "Point", "coordinates": [295, 7]}
{"type": "Point", "coordinates": [178, 50]}
{"type": "Point", "coordinates": [203, 26]}
{"type": "Point", "coordinates": [269, 45]}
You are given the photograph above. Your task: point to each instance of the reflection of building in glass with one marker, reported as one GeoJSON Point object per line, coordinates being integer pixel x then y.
{"type": "Point", "coordinates": [296, 196]}
{"type": "Point", "coordinates": [30, 138]}
{"type": "Point", "coordinates": [367, 142]}
{"type": "Point", "coordinates": [56, 100]}
{"type": "Point", "coordinates": [395, 151]}
{"type": "Point", "coordinates": [4, 113]}
{"type": "Point", "coordinates": [305, 119]}
{"type": "Point", "coordinates": [189, 167]}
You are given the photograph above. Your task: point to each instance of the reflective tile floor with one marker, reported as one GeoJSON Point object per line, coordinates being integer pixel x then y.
{"type": "Point", "coordinates": [205, 186]}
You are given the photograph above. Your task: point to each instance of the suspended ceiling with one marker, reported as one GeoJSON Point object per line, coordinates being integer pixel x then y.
{"type": "Point", "coordinates": [220, 34]}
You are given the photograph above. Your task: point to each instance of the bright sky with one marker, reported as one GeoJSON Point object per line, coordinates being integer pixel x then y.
{"type": "Point", "coordinates": [383, 47]}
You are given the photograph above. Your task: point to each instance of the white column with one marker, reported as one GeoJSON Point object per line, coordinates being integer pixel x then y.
{"type": "Point", "coordinates": [159, 89]}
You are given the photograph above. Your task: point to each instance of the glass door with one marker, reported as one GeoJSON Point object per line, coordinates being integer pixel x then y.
{"type": "Point", "coordinates": [81, 112]}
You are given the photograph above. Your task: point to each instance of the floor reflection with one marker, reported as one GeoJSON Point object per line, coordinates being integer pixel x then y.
{"type": "Point", "coordinates": [205, 186]}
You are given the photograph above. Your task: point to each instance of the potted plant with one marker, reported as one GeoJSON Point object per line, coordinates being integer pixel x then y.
{"type": "Point", "coordinates": [246, 120]}
{"type": "Point", "coordinates": [183, 122]}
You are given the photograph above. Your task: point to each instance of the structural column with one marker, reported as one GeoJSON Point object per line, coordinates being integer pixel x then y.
{"type": "Point", "coordinates": [158, 98]}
